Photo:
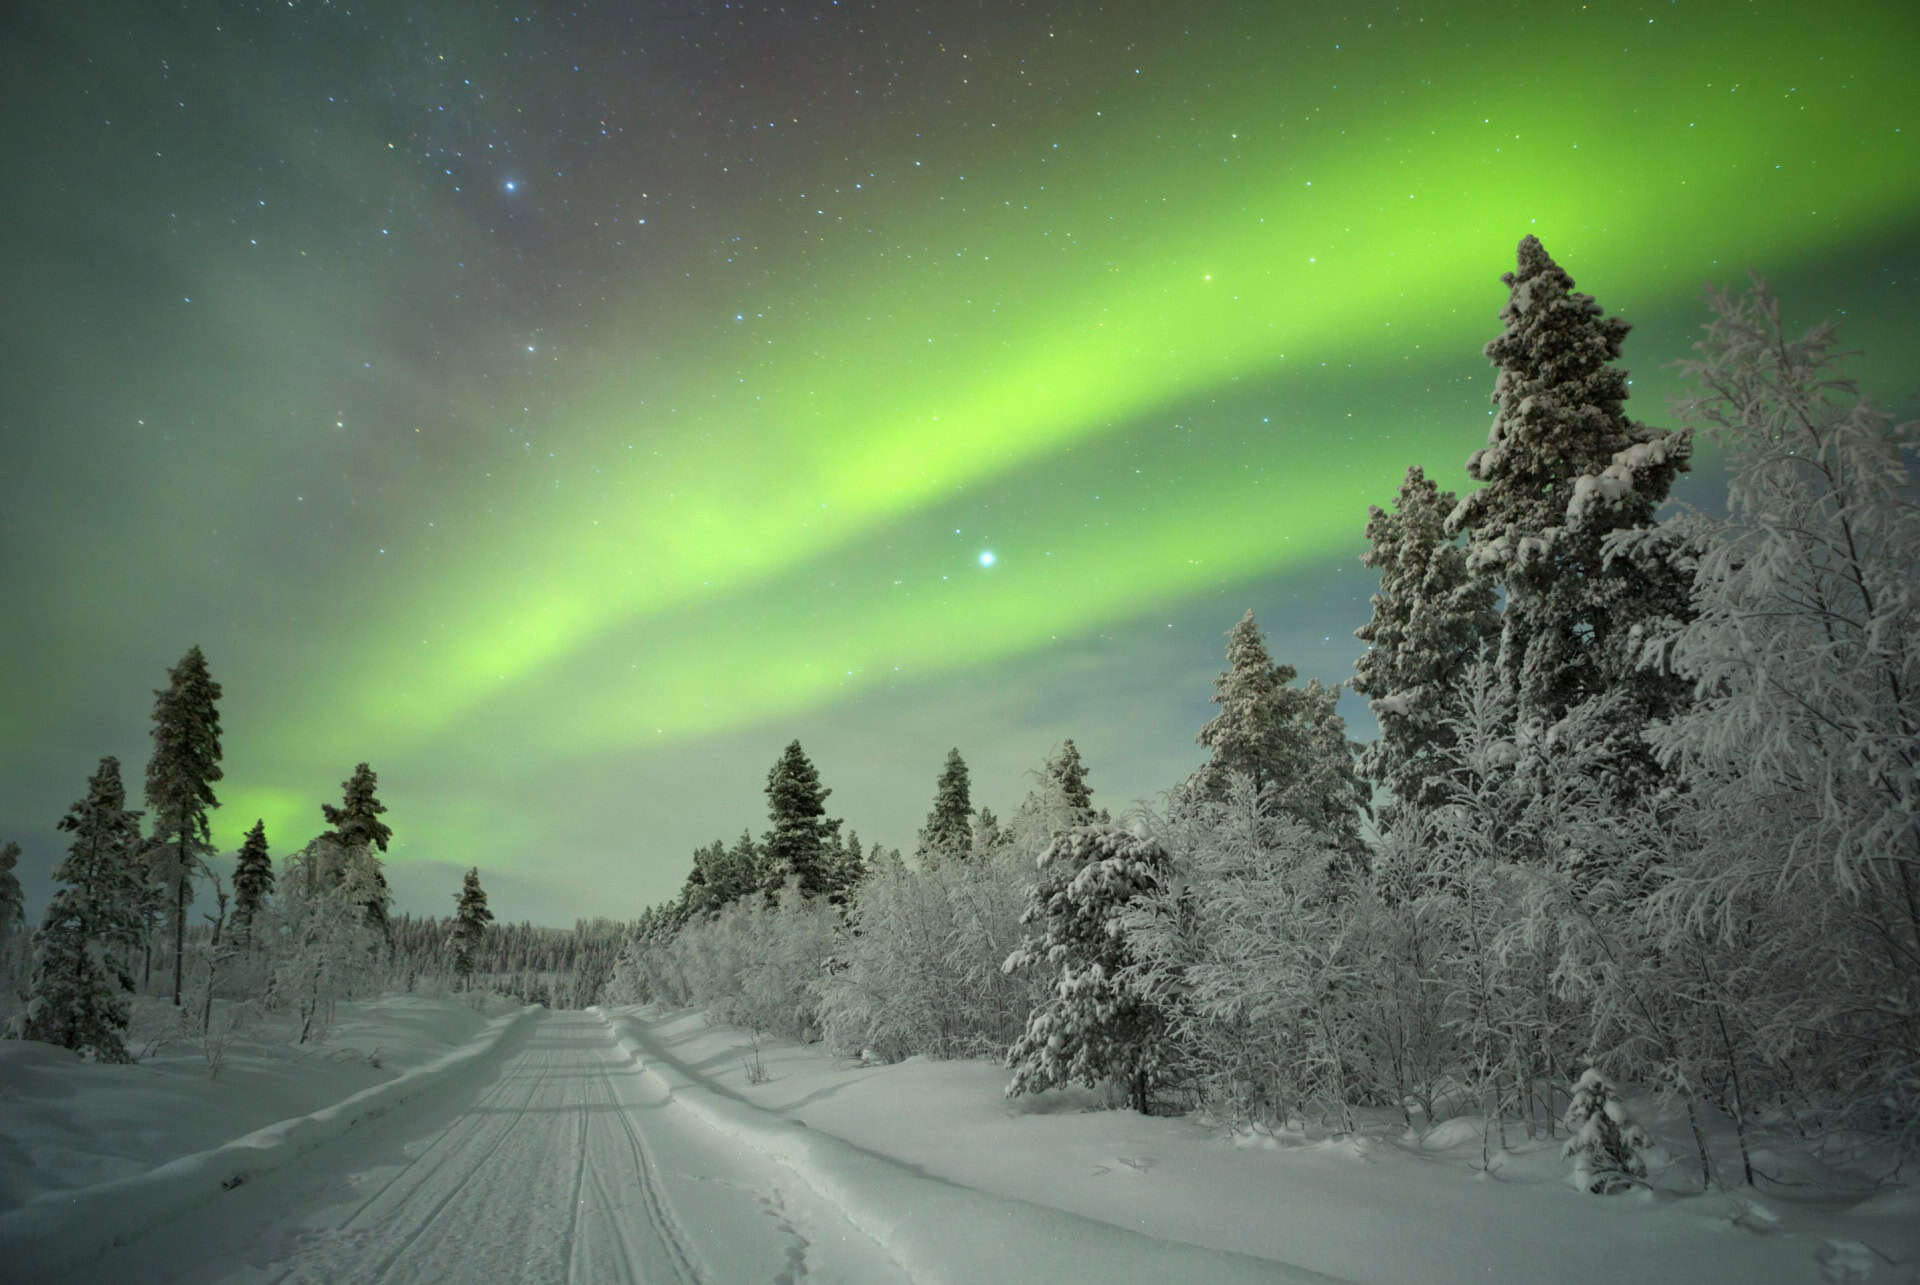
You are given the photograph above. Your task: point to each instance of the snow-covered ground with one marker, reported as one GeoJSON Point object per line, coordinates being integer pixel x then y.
{"type": "Point", "coordinates": [66, 1124]}
{"type": "Point", "coordinates": [628, 1145]}
{"type": "Point", "coordinates": [1380, 1207]}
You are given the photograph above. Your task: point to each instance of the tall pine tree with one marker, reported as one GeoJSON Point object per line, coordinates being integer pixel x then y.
{"type": "Point", "coordinates": [470, 921]}
{"type": "Point", "coordinates": [798, 844]}
{"type": "Point", "coordinates": [356, 824]}
{"type": "Point", "coordinates": [1065, 777]}
{"type": "Point", "coordinates": [1430, 619]}
{"type": "Point", "coordinates": [948, 833]}
{"type": "Point", "coordinates": [252, 882]}
{"type": "Point", "coordinates": [180, 777]}
{"type": "Point", "coordinates": [1562, 469]}
{"type": "Point", "coordinates": [1286, 738]}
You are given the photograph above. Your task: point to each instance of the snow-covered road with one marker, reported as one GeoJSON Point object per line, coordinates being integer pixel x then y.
{"type": "Point", "coordinates": [560, 1161]}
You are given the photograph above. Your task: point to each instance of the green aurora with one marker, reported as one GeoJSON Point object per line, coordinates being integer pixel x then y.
{"type": "Point", "coordinates": [1152, 309]}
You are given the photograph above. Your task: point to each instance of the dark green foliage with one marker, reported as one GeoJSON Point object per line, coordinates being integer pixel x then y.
{"type": "Point", "coordinates": [470, 920]}
{"type": "Point", "coordinates": [987, 836]}
{"type": "Point", "coordinates": [73, 999]}
{"type": "Point", "coordinates": [1562, 469]}
{"type": "Point", "coordinates": [721, 875]}
{"type": "Point", "coordinates": [180, 777]}
{"type": "Point", "coordinates": [252, 882]}
{"type": "Point", "coordinates": [356, 824]}
{"type": "Point", "coordinates": [798, 846]}
{"type": "Point", "coordinates": [849, 862]}
{"type": "Point", "coordinates": [948, 833]}
{"type": "Point", "coordinates": [1430, 619]}
{"type": "Point", "coordinates": [1096, 1025]}
{"type": "Point", "coordinates": [103, 864]}
{"type": "Point", "coordinates": [70, 999]}
{"type": "Point", "coordinates": [12, 901]}
{"type": "Point", "coordinates": [1284, 737]}
{"type": "Point", "coordinates": [1066, 775]}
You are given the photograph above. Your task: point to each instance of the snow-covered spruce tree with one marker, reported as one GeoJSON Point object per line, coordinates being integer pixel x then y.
{"type": "Point", "coordinates": [948, 833]}
{"type": "Point", "coordinates": [721, 875]}
{"type": "Point", "coordinates": [1562, 469]}
{"type": "Point", "coordinates": [356, 824]}
{"type": "Point", "coordinates": [1607, 1147]}
{"type": "Point", "coordinates": [1059, 800]}
{"type": "Point", "coordinates": [697, 891]}
{"type": "Point", "coordinates": [988, 836]}
{"type": "Point", "coordinates": [252, 883]}
{"type": "Point", "coordinates": [1282, 736]}
{"type": "Point", "coordinates": [849, 868]}
{"type": "Point", "coordinates": [1801, 752]}
{"type": "Point", "coordinates": [1430, 619]}
{"type": "Point", "coordinates": [180, 777]}
{"type": "Point", "coordinates": [1096, 1025]}
{"type": "Point", "coordinates": [737, 873]}
{"type": "Point", "coordinates": [470, 920]}
{"type": "Point", "coordinates": [798, 845]}
{"type": "Point", "coordinates": [75, 996]}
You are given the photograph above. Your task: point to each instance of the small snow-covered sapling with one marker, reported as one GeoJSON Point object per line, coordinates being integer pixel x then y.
{"type": "Point", "coordinates": [1607, 1146]}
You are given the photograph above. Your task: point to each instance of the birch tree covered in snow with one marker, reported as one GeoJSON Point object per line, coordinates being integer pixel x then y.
{"type": "Point", "coordinates": [1247, 951]}
{"type": "Point", "coordinates": [325, 945]}
{"type": "Point", "coordinates": [1801, 750]}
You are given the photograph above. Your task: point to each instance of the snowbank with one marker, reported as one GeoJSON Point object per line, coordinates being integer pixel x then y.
{"type": "Point", "coordinates": [50, 1097]}
{"type": "Point", "coordinates": [935, 1229]}
{"type": "Point", "coordinates": [930, 1159]}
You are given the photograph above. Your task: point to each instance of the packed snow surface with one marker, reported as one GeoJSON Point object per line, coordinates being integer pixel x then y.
{"type": "Point", "coordinates": [638, 1145]}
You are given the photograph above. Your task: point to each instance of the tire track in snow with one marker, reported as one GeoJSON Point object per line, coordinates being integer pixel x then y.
{"type": "Point", "coordinates": [579, 1181]}
{"type": "Point", "coordinates": [363, 1222]}
{"type": "Point", "coordinates": [514, 1120]}
{"type": "Point", "coordinates": [484, 1103]}
{"type": "Point", "coordinates": [666, 1226]}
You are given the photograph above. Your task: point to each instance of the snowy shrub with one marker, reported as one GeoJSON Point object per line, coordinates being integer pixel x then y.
{"type": "Point", "coordinates": [1254, 962]}
{"type": "Point", "coordinates": [922, 968]}
{"type": "Point", "coordinates": [749, 964]}
{"type": "Point", "coordinates": [321, 942]}
{"type": "Point", "coordinates": [1607, 1147]}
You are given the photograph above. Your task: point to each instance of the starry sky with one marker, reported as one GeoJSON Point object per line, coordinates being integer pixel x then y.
{"type": "Point", "coordinates": [563, 407]}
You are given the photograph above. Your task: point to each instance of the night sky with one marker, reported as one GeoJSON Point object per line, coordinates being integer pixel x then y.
{"type": "Point", "coordinates": [562, 408]}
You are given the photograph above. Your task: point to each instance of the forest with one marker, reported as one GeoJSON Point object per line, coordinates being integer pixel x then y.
{"type": "Point", "coordinates": [1641, 811]}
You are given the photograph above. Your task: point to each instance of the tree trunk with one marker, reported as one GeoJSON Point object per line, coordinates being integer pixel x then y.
{"type": "Point", "coordinates": [180, 919]}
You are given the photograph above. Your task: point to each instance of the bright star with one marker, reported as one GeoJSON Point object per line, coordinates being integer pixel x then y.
{"type": "Point", "coordinates": [986, 557]}
{"type": "Point", "coordinates": [512, 186]}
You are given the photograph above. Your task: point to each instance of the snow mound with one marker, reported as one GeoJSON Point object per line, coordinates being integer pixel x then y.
{"type": "Point", "coordinates": [938, 1230]}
